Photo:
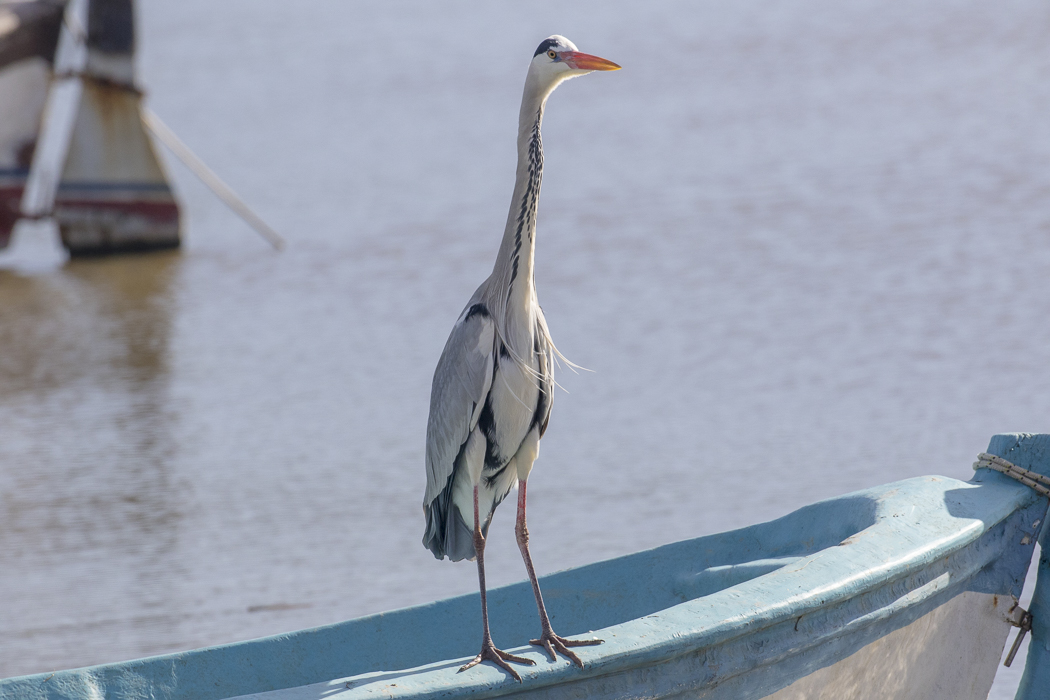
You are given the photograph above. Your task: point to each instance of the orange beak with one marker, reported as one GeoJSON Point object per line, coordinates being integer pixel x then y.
{"type": "Point", "coordinates": [585, 61]}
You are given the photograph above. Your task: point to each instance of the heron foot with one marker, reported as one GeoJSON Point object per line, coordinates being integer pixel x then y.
{"type": "Point", "coordinates": [552, 642]}
{"type": "Point", "coordinates": [489, 652]}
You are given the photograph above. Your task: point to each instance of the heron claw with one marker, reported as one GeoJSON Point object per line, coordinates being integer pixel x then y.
{"type": "Point", "coordinates": [499, 657]}
{"type": "Point", "coordinates": [552, 642]}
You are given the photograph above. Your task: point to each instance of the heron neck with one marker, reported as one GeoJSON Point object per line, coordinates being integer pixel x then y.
{"type": "Point", "coordinates": [513, 272]}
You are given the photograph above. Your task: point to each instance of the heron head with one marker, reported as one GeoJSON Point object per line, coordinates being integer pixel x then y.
{"type": "Point", "coordinates": [557, 59]}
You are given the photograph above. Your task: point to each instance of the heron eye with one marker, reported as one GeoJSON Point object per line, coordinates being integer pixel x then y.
{"type": "Point", "coordinates": [552, 54]}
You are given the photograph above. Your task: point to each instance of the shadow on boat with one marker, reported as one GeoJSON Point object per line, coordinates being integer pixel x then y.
{"type": "Point", "coordinates": [384, 677]}
{"type": "Point", "coordinates": [644, 583]}
{"type": "Point", "coordinates": [1010, 568]}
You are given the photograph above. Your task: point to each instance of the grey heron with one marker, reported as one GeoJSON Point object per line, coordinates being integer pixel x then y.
{"type": "Point", "coordinates": [492, 391]}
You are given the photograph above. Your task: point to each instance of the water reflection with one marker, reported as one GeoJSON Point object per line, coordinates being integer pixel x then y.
{"type": "Point", "coordinates": [94, 320]}
{"type": "Point", "coordinates": [85, 463]}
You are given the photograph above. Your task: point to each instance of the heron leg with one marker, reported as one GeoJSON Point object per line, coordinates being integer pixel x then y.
{"type": "Point", "coordinates": [548, 639]}
{"type": "Point", "coordinates": [489, 652]}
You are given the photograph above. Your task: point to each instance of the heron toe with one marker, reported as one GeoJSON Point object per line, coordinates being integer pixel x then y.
{"type": "Point", "coordinates": [499, 657]}
{"type": "Point", "coordinates": [552, 642]}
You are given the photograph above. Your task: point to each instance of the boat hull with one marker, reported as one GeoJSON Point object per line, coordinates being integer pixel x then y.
{"type": "Point", "coordinates": [114, 195]}
{"type": "Point", "coordinates": [943, 654]}
{"type": "Point", "coordinates": [773, 610]}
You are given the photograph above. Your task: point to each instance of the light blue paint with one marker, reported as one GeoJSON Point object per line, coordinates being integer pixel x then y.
{"type": "Point", "coordinates": [1033, 452]}
{"type": "Point", "coordinates": [738, 614]}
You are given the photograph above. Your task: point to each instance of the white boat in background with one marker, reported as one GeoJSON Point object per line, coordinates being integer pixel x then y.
{"type": "Point", "coordinates": [906, 591]}
{"type": "Point", "coordinates": [72, 142]}
{"type": "Point", "coordinates": [28, 42]}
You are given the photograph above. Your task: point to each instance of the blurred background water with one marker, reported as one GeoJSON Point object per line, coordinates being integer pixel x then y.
{"type": "Point", "coordinates": [802, 245]}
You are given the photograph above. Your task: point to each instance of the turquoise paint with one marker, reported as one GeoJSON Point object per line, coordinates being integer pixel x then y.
{"type": "Point", "coordinates": [738, 614]}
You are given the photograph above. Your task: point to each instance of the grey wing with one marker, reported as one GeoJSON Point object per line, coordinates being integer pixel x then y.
{"type": "Point", "coordinates": [461, 384]}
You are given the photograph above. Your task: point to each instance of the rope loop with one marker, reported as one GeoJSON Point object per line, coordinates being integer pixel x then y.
{"type": "Point", "coordinates": [1034, 480]}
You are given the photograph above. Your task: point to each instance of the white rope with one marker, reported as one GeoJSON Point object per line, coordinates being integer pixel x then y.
{"type": "Point", "coordinates": [1033, 480]}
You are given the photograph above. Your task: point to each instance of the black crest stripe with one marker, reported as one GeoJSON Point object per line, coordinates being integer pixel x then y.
{"type": "Point", "coordinates": [547, 44]}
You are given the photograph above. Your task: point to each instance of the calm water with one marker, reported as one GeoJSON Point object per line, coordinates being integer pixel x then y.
{"type": "Point", "coordinates": [805, 248]}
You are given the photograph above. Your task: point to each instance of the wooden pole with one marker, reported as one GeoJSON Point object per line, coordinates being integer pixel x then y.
{"type": "Point", "coordinates": [197, 166]}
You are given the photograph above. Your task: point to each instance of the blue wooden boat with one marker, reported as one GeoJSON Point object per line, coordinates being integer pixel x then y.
{"type": "Point", "coordinates": [907, 590]}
